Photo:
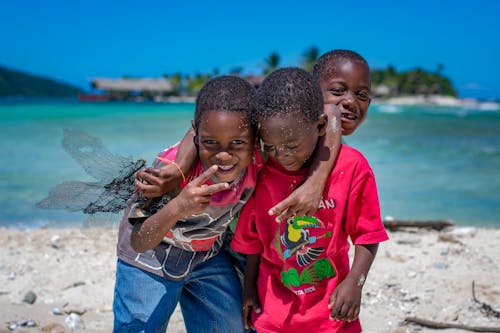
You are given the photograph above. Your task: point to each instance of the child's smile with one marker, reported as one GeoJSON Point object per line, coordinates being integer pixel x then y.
{"type": "Point", "coordinates": [225, 139]}
{"type": "Point", "coordinates": [349, 88]}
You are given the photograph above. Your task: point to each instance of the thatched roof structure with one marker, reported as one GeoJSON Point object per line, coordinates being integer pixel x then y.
{"type": "Point", "coordinates": [155, 85]}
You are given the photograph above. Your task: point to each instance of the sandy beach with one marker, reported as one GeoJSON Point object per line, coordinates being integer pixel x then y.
{"type": "Point", "coordinates": [68, 276]}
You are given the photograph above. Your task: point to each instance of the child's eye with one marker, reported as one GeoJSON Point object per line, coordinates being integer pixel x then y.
{"type": "Point", "coordinates": [269, 148]}
{"type": "Point", "coordinates": [209, 142]}
{"type": "Point", "coordinates": [337, 91]}
{"type": "Point", "coordinates": [238, 142]}
{"type": "Point", "coordinates": [363, 95]}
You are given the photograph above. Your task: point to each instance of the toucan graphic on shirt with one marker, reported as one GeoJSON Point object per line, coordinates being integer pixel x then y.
{"type": "Point", "coordinates": [297, 239]}
{"type": "Point", "coordinates": [297, 242]}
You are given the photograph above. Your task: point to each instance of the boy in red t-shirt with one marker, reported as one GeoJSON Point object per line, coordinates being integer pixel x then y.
{"type": "Point", "coordinates": [299, 268]}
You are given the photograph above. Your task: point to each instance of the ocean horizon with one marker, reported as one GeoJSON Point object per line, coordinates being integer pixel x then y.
{"type": "Point", "coordinates": [430, 162]}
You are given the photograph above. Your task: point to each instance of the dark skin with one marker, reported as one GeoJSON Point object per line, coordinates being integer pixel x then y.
{"type": "Point", "coordinates": [250, 295]}
{"type": "Point", "coordinates": [303, 201]}
{"type": "Point", "coordinates": [348, 88]}
{"type": "Point", "coordinates": [346, 95]}
{"type": "Point", "coordinates": [345, 300]}
{"type": "Point", "coordinates": [225, 142]}
{"type": "Point", "coordinates": [344, 303]}
{"type": "Point", "coordinates": [156, 182]}
{"type": "Point", "coordinates": [193, 199]}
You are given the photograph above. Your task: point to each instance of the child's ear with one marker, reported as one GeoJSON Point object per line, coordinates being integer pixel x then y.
{"type": "Point", "coordinates": [322, 124]}
{"type": "Point", "coordinates": [195, 130]}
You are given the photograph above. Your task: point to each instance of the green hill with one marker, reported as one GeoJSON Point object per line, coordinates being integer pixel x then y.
{"type": "Point", "coordinates": [14, 83]}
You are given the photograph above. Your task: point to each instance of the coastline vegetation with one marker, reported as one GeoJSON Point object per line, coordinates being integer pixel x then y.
{"type": "Point", "coordinates": [15, 83]}
{"type": "Point", "coordinates": [386, 83]}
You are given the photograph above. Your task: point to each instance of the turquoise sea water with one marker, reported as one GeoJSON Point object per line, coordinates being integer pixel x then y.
{"type": "Point", "coordinates": [430, 162]}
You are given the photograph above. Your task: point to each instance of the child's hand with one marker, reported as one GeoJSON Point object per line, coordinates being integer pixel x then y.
{"type": "Point", "coordinates": [250, 302]}
{"type": "Point", "coordinates": [157, 182]}
{"type": "Point", "coordinates": [345, 301]}
{"type": "Point", "coordinates": [195, 197]}
{"type": "Point", "coordinates": [304, 201]}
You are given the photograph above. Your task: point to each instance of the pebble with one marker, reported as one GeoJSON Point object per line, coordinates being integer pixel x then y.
{"type": "Point", "coordinates": [74, 321]}
{"type": "Point", "coordinates": [440, 265]}
{"type": "Point", "coordinates": [74, 308]}
{"type": "Point", "coordinates": [30, 297]}
{"type": "Point", "coordinates": [465, 231]}
{"type": "Point", "coordinates": [57, 312]}
{"type": "Point", "coordinates": [409, 241]}
{"type": "Point", "coordinates": [55, 241]}
{"type": "Point", "coordinates": [12, 325]}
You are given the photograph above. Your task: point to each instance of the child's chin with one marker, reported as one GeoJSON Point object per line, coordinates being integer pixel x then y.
{"type": "Point", "coordinates": [225, 178]}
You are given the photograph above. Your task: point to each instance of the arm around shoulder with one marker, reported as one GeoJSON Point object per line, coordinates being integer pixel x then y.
{"type": "Point", "coordinates": [306, 198]}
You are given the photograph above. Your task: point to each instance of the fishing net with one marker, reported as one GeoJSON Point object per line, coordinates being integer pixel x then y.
{"type": "Point", "coordinates": [103, 199]}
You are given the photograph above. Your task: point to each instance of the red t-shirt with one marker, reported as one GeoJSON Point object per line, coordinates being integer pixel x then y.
{"type": "Point", "coordinates": [304, 259]}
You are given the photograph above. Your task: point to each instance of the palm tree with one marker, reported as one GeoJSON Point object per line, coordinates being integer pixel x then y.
{"type": "Point", "coordinates": [271, 63]}
{"type": "Point", "coordinates": [309, 58]}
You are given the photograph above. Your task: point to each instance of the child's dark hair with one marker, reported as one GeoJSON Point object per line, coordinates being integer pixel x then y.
{"type": "Point", "coordinates": [325, 65]}
{"type": "Point", "coordinates": [289, 90]}
{"type": "Point", "coordinates": [225, 93]}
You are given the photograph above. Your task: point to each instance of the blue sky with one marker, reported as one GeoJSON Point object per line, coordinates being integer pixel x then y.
{"type": "Point", "coordinates": [75, 41]}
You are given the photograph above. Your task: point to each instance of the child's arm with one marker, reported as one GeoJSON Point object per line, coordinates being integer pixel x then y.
{"type": "Point", "coordinates": [345, 300]}
{"type": "Point", "coordinates": [193, 199]}
{"type": "Point", "coordinates": [250, 294]}
{"type": "Point", "coordinates": [156, 182]}
{"type": "Point", "coordinates": [306, 198]}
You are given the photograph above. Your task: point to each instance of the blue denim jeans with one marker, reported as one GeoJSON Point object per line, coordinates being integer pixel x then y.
{"type": "Point", "coordinates": [210, 298]}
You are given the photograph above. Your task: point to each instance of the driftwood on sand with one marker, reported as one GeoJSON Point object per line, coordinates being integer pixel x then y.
{"type": "Point", "coordinates": [439, 325]}
{"type": "Point", "coordinates": [395, 225]}
{"type": "Point", "coordinates": [485, 308]}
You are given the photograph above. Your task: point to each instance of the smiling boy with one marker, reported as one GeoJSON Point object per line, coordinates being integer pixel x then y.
{"type": "Point", "coordinates": [298, 276]}
{"type": "Point", "coordinates": [344, 78]}
{"type": "Point", "coordinates": [171, 251]}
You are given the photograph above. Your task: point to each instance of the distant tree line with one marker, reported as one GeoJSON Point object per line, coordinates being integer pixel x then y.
{"type": "Point", "coordinates": [385, 82]}
{"type": "Point", "coordinates": [388, 82]}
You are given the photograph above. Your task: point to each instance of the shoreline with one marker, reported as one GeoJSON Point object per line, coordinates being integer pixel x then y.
{"type": "Point", "coordinates": [439, 100]}
{"type": "Point", "coordinates": [417, 273]}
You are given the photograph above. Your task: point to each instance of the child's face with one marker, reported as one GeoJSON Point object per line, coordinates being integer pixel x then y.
{"type": "Point", "coordinates": [289, 140]}
{"type": "Point", "coordinates": [225, 139]}
{"type": "Point", "coordinates": [349, 88]}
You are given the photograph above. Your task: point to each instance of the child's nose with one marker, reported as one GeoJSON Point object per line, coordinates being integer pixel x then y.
{"type": "Point", "coordinates": [348, 100]}
{"type": "Point", "coordinates": [223, 156]}
{"type": "Point", "coordinates": [282, 152]}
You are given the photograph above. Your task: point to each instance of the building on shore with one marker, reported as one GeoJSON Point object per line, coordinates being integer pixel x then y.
{"type": "Point", "coordinates": [136, 89]}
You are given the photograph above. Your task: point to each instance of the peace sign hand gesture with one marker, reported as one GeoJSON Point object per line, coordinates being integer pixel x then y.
{"type": "Point", "coordinates": [195, 196]}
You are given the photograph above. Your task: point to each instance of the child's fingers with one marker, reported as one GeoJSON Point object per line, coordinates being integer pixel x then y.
{"type": "Point", "coordinates": [205, 176]}
{"type": "Point", "coordinates": [247, 317]}
{"type": "Point", "coordinates": [352, 314]}
{"type": "Point", "coordinates": [285, 215]}
{"type": "Point", "coordinates": [256, 304]}
{"type": "Point", "coordinates": [339, 312]}
{"type": "Point", "coordinates": [153, 171]}
{"type": "Point", "coordinates": [214, 188]}
{"type": "Point", "coordinates": [332, 305]}
{"type": "Point", "coordinates": [281, 206]}
{"type": "Point", "coordinates": [147, 176]}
